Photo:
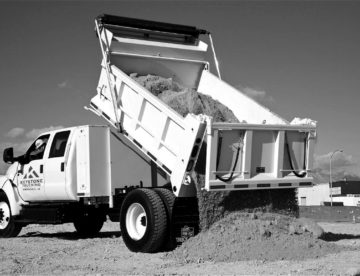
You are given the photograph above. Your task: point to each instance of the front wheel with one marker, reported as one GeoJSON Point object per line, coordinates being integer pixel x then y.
{"type": "Point", "coordinates": [8, 227]}
{"type": "Point", "coordinates": [143, 221]}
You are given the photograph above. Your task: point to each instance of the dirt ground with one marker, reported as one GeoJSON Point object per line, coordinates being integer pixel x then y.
{"type": "Point", "coordinates": [238, 243]}
{"type": "Point", "coordinates": [49, 250]}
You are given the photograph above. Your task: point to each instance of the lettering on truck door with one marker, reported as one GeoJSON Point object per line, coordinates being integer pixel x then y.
{"type": "Point", "coordinates": [54, 169]}
{"type": "Point", "coordinates": [30, 177]}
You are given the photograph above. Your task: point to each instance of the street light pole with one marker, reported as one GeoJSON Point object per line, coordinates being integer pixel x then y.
{"type": "Point", "coordinates": [331, 156]}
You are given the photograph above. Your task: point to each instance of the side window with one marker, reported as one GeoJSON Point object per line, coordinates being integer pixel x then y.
{"type": "Point", "coordinates": [58, 145]}
{"type": "Point", "coordinates": [36, 150]}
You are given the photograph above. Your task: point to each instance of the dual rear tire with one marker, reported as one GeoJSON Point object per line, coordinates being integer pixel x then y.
{"type": "Point", "coordinates": [144, 220]}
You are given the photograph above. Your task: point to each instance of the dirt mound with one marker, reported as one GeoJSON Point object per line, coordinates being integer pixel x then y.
{"type": "Point", "coordinates": [190, 101]}
{"type": "Point", "coordinates": [185, 100]}
{"type": "Point", "coordinates": [255, 236]}
{"type": "Point", "coordinates": [156, 84]}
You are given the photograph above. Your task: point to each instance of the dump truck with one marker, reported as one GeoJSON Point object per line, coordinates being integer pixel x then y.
{"type": "Point", "coordinates": [138, 169]}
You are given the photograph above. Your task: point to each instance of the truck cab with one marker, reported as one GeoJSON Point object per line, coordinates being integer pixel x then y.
{"type": "Point", "coordinates": [39, 174]}
{"type": "Point", "coordinates": [48, 184]}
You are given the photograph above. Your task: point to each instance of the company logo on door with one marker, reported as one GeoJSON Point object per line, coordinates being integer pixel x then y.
{"type": "Point", "coordinates": [31, 181]}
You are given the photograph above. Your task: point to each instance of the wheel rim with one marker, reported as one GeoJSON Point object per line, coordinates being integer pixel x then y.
{"type": "Point", "coordinates": [136, 221]}
{"type": "Point", "coordinates": [4, 215]}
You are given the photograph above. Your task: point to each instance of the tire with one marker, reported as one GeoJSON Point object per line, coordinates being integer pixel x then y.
{"type": "Point", "coordinates": [88, 224]}
{"type": "Point", "coordinates": [143, 221]}
{"type": "Point", "coordinates": [8, 227]}
{"type": "Point", "coordinates": [168, 198]}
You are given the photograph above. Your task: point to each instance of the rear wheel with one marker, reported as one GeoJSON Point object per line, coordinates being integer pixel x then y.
{"type": "Point", "coordinates": [89, 223]}
{"type": "Point", "coordinates": [8, 227]}
{"type": "Point", "coordinates": [168, 199]}
{"type": "Point", "coordinates": [143, 221]}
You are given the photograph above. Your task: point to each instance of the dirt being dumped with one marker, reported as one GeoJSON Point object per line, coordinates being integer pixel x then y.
{"type": "Point", "coordinates": [185, 100]}
{"type": "Point", "coordinates": [215, 205]}
{"type": "Point", "coordinates": [242, 236]}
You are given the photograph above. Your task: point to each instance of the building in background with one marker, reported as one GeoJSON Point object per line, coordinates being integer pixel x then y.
{"type": "Point", "coordinates": [344, 193]}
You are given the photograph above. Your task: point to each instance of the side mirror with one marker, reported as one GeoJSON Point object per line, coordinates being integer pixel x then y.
{"type": "Point", "coordinates": [8, 156]}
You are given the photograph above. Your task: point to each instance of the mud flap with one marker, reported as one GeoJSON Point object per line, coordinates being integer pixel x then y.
{"type": "Point", "coordinates": [185, 223]}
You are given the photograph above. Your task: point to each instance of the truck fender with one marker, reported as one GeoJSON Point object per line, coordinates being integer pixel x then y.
{"type": "Point", "coordinates": [12, 194]}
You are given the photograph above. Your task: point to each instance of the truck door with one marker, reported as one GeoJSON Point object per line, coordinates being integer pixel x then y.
{"type": "Point", "coordinates": [30, 176]}
{"type": "Point", "coordinates": [54, 169]}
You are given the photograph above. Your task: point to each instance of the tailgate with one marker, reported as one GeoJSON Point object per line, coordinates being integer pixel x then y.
{"type": "Point", "coordinates": [249, 157]}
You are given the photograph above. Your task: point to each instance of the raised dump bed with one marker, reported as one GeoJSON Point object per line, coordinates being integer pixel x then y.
{"type": "Point", "coordinates": [264, 151]}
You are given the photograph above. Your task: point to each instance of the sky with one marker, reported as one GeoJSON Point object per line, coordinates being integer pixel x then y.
{"type": "Point", "coordinates": [298, 58]}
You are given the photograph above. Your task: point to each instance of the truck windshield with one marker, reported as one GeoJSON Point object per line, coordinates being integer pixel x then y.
{"type": "Point", "coordinates": [36, 150]}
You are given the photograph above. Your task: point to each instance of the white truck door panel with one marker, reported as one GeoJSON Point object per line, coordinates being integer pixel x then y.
{"type": "Point", "coordinates": [31, 181]}
{"type": "Point", "coordinates": [30, 177]}
{"type": "Point", "coordinates": [54, 168]}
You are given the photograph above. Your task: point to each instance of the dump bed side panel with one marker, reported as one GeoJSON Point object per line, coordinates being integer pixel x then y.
{"type": "Point", "coordinates": [163, 135]}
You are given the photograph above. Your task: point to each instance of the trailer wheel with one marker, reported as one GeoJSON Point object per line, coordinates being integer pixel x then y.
{"type": "Point", "coordinates": [89, 224]}
{"type": "Point", "coordinates": [143, 221]}
{"type": "Point", "coordinates": [8, 227]}
{"type": "Point", "coordinates": [168, 199]}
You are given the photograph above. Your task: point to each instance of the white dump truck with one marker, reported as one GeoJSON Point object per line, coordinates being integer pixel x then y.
{"type": "Point", "coordinates": [139, 169]}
